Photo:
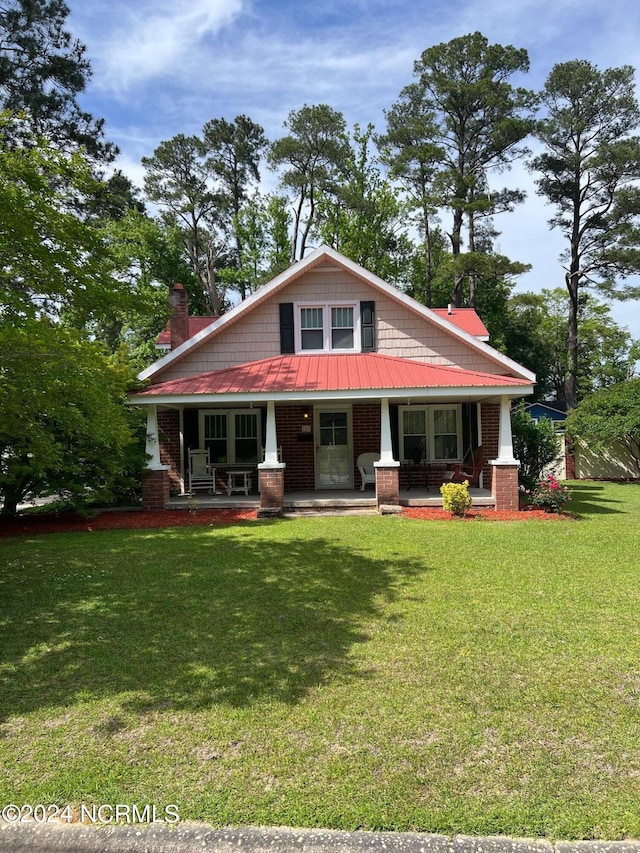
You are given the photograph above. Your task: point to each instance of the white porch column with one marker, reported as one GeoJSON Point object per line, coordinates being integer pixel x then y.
{"type": "Point", "coordinates": [271, 471]}
{"type": "Point", "coordinates": [271, 438]}
{"type": "Point", "coordinates": [505, 439]}
{"type": "Point", "coordinates": [386, 449]}
{"type": "Point", "coordinates": [153, 444]}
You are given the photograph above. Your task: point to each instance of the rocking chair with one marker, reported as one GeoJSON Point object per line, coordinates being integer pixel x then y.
{"type": "Point", "coordinates": [201, 474]}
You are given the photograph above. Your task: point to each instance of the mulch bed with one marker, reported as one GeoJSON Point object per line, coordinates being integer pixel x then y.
{"type": "Point", "coordinates": [525, 514]}
{"type": "Point", "coordinates": [133, 520]}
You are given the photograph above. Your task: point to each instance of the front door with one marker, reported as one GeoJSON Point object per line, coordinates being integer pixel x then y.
{"type": "Point", "coordinates": [334, 468]}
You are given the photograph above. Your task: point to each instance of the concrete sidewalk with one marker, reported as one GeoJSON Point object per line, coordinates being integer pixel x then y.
{"type": "Point", "coordinates": [196, 838]}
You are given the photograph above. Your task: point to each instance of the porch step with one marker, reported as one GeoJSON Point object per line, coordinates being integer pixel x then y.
{"type": "Point", "coordinates": [330, 505]}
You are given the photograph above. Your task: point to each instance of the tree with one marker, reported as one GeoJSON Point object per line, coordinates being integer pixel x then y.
{"type": "Point", "coordinates": [312, 156]}
{"type": "Point", "coordinates": [178, 179]}
{"type": "Point", "coordinates": [535, 445]}
{"type": "Point", "coordinates": [150, 259]}
{"type": "Point", "coordinates": [51, 261]}
{"type": "Point", "coordinates": [63, 426]}
{"type": "Point", "coordinates": [233, 151]}
{"type": "Point", "coordinates": [589, 172]}
{"type": "Point", "coordinates": [42, 71]}
{"type": "Point", "coordinates": [63, 429]}
{"type": "Point", "coordinates": [410, 150]}
{"type": "Point", "coordinates": [362, 216]}
{"type": "Point", "coordinates": [474, 120]}
{"type": "Point", "coordinates": [534, 333]}
{"type": "Point", "coordinates": [610, 416]}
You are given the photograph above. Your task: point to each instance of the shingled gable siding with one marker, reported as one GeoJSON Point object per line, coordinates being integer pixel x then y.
{"type": "Point", "coordinates": [399, 332]}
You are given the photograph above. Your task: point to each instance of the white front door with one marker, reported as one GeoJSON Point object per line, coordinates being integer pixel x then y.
{"type": "Point", "coordinates": [334, 468]}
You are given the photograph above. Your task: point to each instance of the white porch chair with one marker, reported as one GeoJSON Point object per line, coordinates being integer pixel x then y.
{"type": "Point", "coordinates": [367, 471]}
{"type": "Point", "coordinates": [201, 474]}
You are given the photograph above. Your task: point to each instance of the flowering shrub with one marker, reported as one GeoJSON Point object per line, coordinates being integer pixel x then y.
{"type": "Point", "coordinates": [456, 497]}
{"type": "Point", "coordinates": [550, 495]}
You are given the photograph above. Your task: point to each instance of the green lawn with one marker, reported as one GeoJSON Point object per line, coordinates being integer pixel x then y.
{"type": "Point", "coordinates": [374, 672]}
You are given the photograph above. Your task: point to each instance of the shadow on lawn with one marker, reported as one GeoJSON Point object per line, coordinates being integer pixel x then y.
{"type": "Point", "coordinates": [185, 619]}
{"type": "Point", "coordinates": [591, 498]}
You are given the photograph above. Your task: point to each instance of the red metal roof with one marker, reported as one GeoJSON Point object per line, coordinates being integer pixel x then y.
{"type": "Point", "coordinates": [196, 324]}
{"type": "Point", "coordinates": [465, 319]}
{"type": "Point", "coordinates": [370, 371]}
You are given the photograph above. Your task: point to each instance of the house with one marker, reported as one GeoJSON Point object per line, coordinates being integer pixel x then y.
{"type": "Point", "coordinates": [325, 362]}
{"type": "Point", "coordinates": [554, 410]}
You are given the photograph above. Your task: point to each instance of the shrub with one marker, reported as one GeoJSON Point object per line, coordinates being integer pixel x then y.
{"type": "Point", "coordinates": [535, 445]}
{"type": "Point", "coordinates": [455, 497]}
{"type": "Point", "coordinates": [550, 495]}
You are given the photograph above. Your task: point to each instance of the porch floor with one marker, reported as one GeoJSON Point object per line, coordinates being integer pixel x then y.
{"type": "Point", "coordinates": [329, 499]}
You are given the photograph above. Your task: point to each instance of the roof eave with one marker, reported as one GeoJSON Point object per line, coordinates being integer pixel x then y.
{"type": "Point", "coordinates": [441, 392]}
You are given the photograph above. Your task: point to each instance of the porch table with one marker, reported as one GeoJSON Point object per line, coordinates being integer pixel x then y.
{"type": "Point", "coordinates": [238, 481]}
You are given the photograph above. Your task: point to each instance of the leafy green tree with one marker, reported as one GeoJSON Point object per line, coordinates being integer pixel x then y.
{"type": "Point", "coordinates": [474, 122]}
{"type": "Point", "coordinates": [178, 179]}
{"type": "Point", "coordinates": [535, 445]}
{"type": "Point", "coordinates": [232, 153]}
{"type": "Point", "coordinates": [312, 156]}
{"type": "Point", "coordinates": [63, 429]}
{"type": "Point", "coordinates": [410, 151]}
{"type": "Point", "coordinates": [363, 218]}
{"type": "Point", "coordinates": [43, 69]}
{"type": "Point", "coordinates": [51, 260]}
{"type": "Point", "coordinates": [609, 416]}
{"type": "Point", "coordinates": [63, 425]}
{"type": "Point", "coordinates": [589, 171]}
{"type": "Point", "coordinates": [149, 258]}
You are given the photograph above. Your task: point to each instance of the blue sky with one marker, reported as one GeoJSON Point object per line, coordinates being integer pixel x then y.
{"type": "Point", "coordinates": [162, 67]}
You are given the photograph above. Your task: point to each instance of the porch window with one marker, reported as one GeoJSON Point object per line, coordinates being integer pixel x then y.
{"type": "Point", "coordinates": [327, 327]}
{"type": "Point", "coordinates": [431, 433]}
{"type": "Point", "coordinates": [414, 433]}
{"type": "Point", "coordinates": [231, 436]}
{"type": "Point", "coordinates": [446, 433]}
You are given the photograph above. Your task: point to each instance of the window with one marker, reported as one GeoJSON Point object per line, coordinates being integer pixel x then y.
{"type": "Point", "coordinates": [323, 328]}
{"type": "Point", "coordinates": [311, 328]}
{"type": "Point", "coordinates": [445, 433]}
{"type": "Point", "coordinates": [342, 328]}
{"type": "Point", "coordinates": [232, 436]}
{"type": "Point", "coordinates": [414, 434]}
{"type": "Point", "coordinates": [431, 433]}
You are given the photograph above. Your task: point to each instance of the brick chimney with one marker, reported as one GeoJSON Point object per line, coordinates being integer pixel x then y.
{"type": "Point", "coordinates": [179, 318]}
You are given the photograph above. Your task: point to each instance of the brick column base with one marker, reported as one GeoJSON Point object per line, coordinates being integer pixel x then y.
{"type": "Point", "coordinates": [271, 490]}
{"type": "Point", "coordinates": [504, 485]}
{"type": "Point", "coordinates": [155, 489]}
{"type": "Point", "coordinates": [387, 484]}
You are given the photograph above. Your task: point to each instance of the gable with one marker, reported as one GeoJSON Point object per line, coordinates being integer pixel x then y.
{"type": "Point", "coordinates": [403, 327]}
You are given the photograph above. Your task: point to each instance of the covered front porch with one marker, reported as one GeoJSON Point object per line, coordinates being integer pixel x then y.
{"type": "Point", "coordinates": [271, 429]}
{"type": "Point", "coordinates": [310, 452]}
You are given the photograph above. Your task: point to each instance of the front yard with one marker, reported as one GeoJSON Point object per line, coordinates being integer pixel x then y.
{"type": "Point", "coordinates": [375, 672]}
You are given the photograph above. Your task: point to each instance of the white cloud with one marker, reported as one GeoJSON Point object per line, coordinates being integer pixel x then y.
{"type": "Point", "coordinates": [154, 39]}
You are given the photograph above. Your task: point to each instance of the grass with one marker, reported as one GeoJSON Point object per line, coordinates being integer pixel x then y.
{"type": "Point", "coordinates": [378, 673]}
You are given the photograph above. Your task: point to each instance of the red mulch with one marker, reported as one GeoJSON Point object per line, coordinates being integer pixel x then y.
{"type": "Point", "coordinates": [428, 513]}
{"type": "Point", "coordinates": [132, 520]}
{"type": "Point", "coordinates": [121, 520]}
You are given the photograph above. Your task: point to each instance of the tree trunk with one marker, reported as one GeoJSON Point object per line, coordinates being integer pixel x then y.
{"type": "Point", "coordinates": [571, 381]}
{"type": "Point", "coordinates": [428, 298]}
